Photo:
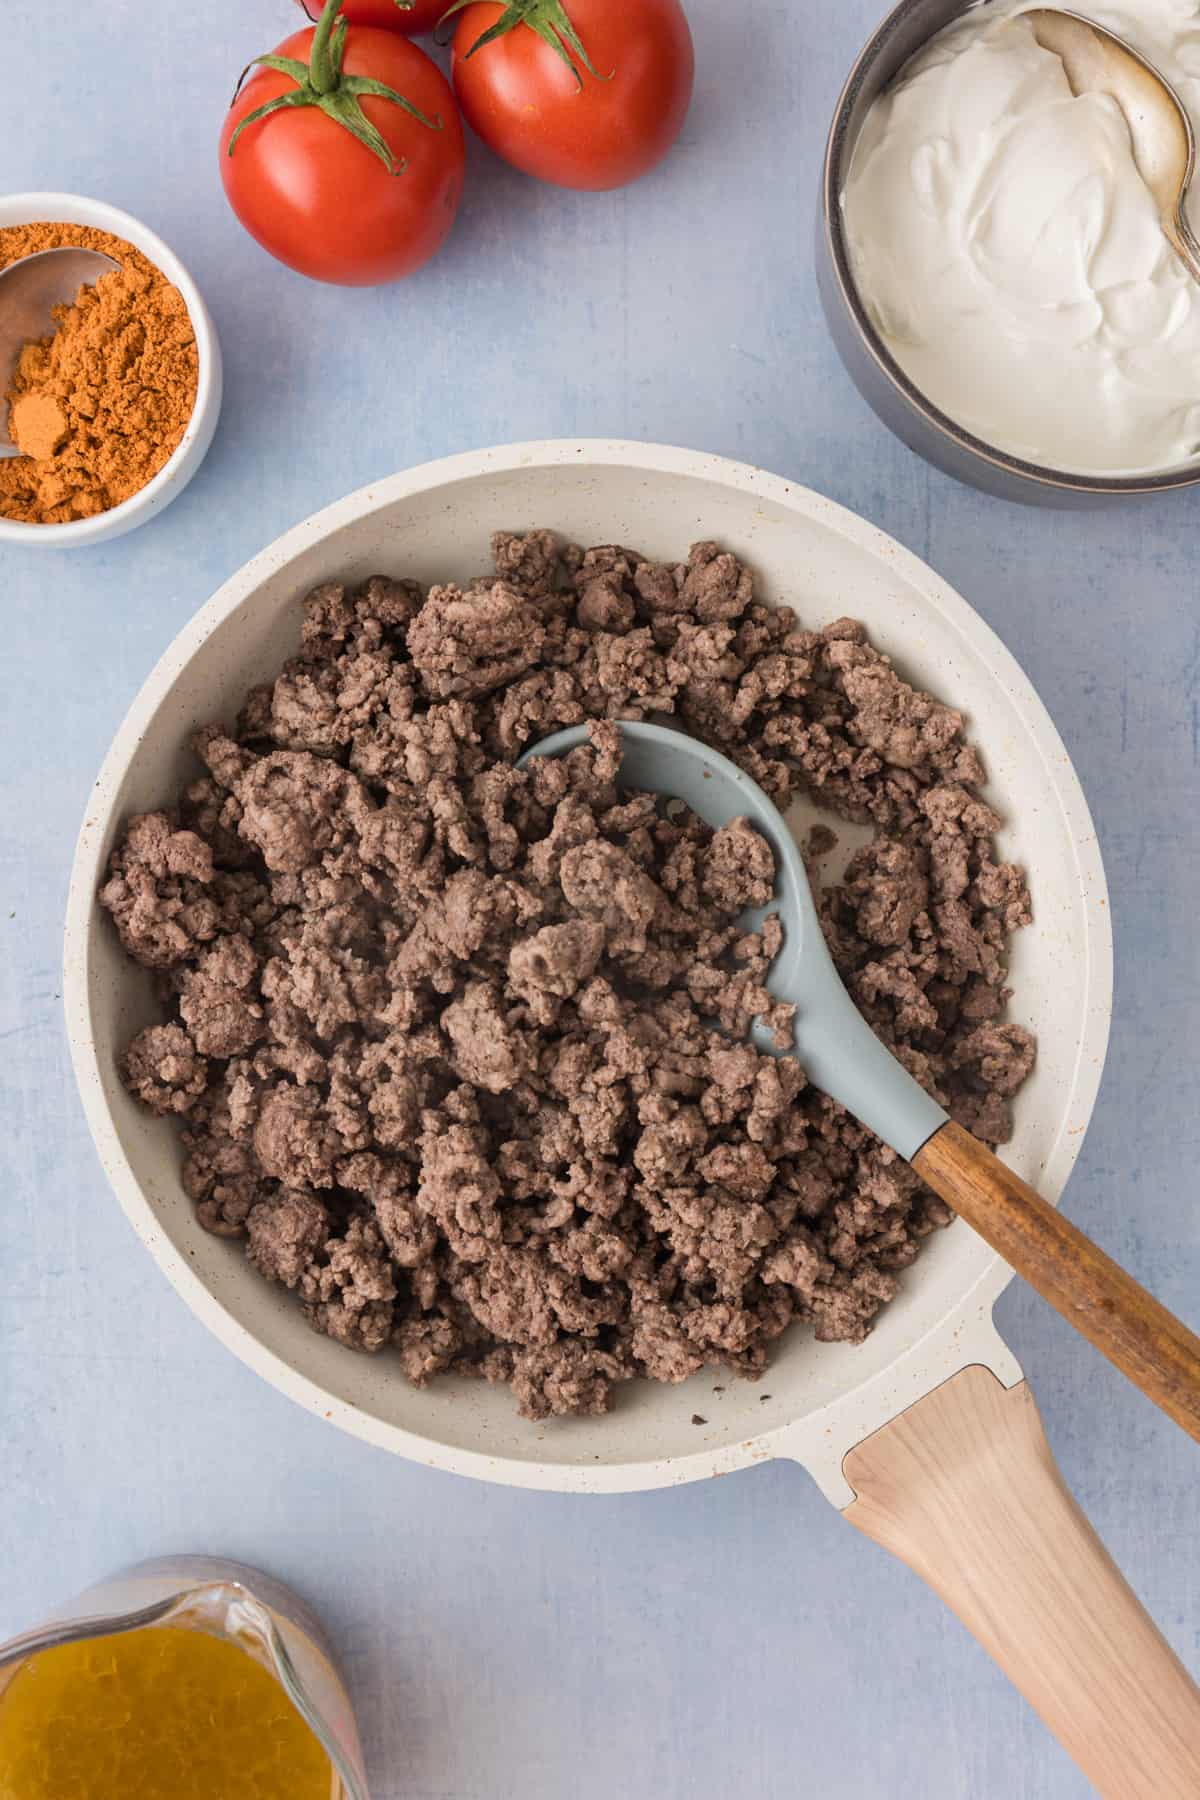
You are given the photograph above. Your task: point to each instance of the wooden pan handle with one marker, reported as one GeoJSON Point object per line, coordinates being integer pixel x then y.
{"type": "Point", "coordinates": [964, 1489]}
{"type": "Point", "coordinates": [1146, 1342]}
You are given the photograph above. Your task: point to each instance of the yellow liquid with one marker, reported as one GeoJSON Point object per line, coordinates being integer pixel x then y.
{"type": "Point", "coordinates": [160, 1714]}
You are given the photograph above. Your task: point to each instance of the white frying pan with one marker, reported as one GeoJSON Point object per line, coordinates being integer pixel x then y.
{"type": "Point", "coordinates": [926, 1436]}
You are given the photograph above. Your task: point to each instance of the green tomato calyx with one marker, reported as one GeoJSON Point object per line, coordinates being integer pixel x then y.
{"type": "Point", "coordinates": [321, 82]}
{"type": "Point", "coordinates": [549, 19]}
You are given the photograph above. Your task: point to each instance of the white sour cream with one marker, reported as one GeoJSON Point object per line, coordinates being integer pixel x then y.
{"type": "Point", "coordinates": [1010, 255]}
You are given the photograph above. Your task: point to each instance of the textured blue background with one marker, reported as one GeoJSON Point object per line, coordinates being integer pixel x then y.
{"type": "Point", "coordinates": [731, 1637]}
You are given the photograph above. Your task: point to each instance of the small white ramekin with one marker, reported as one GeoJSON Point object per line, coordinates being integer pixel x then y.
{"type": "Point", "coordinates": [185, 459]}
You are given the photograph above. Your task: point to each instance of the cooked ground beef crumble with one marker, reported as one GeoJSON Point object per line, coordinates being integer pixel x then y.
{"type": "Point", "coordinates": [459, 1049]}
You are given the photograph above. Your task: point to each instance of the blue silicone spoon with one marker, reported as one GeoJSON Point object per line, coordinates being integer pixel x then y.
{"type": "Point", "coordinates": [843, 1057]}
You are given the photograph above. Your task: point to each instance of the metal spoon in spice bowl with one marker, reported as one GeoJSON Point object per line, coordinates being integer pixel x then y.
{"type": "Point", "coordinates": [30, 289]}
{"type": "Point", "coordinates": [843, 1057]}
{"type": "Point", "coordinates": [1164, 145]}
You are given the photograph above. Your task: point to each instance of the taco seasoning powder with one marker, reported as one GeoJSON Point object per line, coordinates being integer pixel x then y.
{"type": "Point", "coordinates": [97, 408]}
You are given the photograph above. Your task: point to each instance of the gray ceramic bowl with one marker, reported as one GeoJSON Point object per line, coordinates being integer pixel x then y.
{"type": "Point", "coordinates": [875, 373]}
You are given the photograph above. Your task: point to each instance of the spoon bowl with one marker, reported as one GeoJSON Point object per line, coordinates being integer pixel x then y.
{"type": "Point", "coordinates": [1097, 61]}
{"type": "Point", "coordinates": [838, 1049]}
{"type": "Point", "coordinates": [30, 289]}
{"type": "Point", "coordinates": [842, 1056]}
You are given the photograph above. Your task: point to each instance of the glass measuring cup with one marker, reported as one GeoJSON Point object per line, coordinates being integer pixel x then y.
{"type": "Point", "coordinates": [227, 1600]}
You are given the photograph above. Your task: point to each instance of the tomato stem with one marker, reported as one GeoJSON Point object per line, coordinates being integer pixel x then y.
{"type": "Point", "coordinates": [321, 83]}
{"type": "Point", "coordinates": [321, 71]}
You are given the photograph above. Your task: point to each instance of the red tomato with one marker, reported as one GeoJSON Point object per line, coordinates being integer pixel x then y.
{"type": "Point", "coordinates": [548, 113]}
{"type": "Point", "coordinates": [324, 202]}
{"type": "Point", "coordinates": [414, 21]}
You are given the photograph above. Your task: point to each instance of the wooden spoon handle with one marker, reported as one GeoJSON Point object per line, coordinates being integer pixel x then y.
{"type": "Point", "coordinates": [1147, 1343]}
{"type": "Point", "coordinates": [964, 1489]}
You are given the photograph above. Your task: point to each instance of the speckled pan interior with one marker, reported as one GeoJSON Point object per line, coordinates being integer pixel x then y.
{"type": "Point", "coordinates": [816, 1401]}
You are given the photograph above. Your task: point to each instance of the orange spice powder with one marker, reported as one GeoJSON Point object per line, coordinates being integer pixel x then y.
{"type": "Point", "coordinates": [98, 407]}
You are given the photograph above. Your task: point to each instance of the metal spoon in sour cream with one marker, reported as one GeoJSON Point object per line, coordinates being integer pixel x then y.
{"type": "Point", "coordinates": [1164, 145]}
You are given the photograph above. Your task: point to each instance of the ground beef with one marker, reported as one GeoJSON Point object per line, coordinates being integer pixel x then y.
{"type": "Point", "coordinates": [459, 1050]}
{"type": "Point", "coordinates": [163, 1067]}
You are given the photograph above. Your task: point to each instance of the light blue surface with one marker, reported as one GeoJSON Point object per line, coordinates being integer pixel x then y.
{"type": "Point", "coordinates": [731, 1637]}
